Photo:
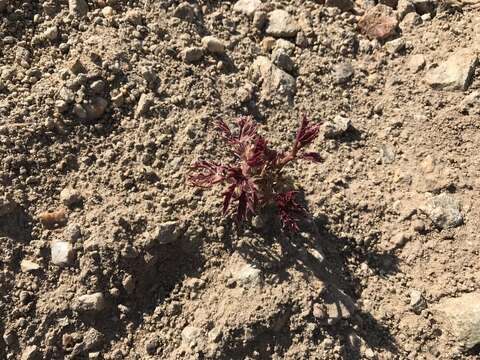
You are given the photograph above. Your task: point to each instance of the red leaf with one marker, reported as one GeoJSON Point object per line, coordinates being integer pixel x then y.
{"type": "Point", "coordinates": [228, 194]}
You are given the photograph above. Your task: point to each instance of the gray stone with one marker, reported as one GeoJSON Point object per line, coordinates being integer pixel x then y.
{"type": "Point", "coordinates": [90, 303]}
{"type": "Point", "coordinates": [29, 266]}
{"type": "Point", "coordinates": [70, 197]}
{"type": "Point", "coordinates": [213, 45]}
{"type": "Point", "coordinates": [444, 211]}
{"type": "Point", "coordinates": [395, 46]}
{"type": "Point", "coordinates": [168, 232]}
{"type": "Point", "coordinates": [151, 345]}
{"type": "Point", "coordinates": [282, 60]}
{"type": "Point", "coordinates": [455, 73]}
{"type": "Point", "coordinates": [247, 7]}
{"type": "Point", "coordinates": [281, 24]}
{"type": "Point", "coordinates": [62, 253]}
{"type": "Point", "coordinates": [416, 63]}
{"type": "Point", "coordinates": [388, 154]}
{"type": "Point", "coordinates": [337, 126]}
{"type": "Point", "coordinates": [192, 54]}
{"type": "Point", "coordinates": [461, 317]}
{"type": "Point", "coordinates": [247, 276]}
{"type": "Point", "coordinates": [343, 72]}
{"type": "Point", "coordinates": [276, 83]}
{"type": "Point", "coordinates": [93, 339]}
{"type": "Point", "coordinates": [286, 45]}
{"type": "Point", "coordinates": [78, 7]}
{"type": "Point", "coordinates": [344, 5]}
{"type": "Point", "coordinates": [143, 105]}
{"type": "Point", "coordinates": [417, 301]}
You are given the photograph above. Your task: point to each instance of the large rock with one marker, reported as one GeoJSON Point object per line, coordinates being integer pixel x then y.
{"type": "Point", "coordinates": [379, 22]}
{"type": "Point", "coordinates": [455, 73]}
{"type": "Point", "coordinates": [444, 211]}
{"type": "Point", "coordinates": [213, 45]}
{"type": "Point", "coordinates": [275, 81]}
{"type": "Point", "coordinates": [461, 317]}
{"type": "Point", "coordinates": [247, 7]}
{"type": "Point", "coordinates": [90, 303]}
{"type": "Point", "coordinates": [62, 253]}
{"type": "Point", "coordinates": [281, 24]}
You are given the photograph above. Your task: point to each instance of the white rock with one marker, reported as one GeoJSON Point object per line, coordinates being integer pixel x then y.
{"type": "Point", "coordinates": [62, 253]}
{"type": "Point", "coordinates": [70, 197]}
{"type": "Point", "coordinates": [213, 45]}
{"type": "Point", "coordinates": [51, 33]}
{"type": "Point", "coordinates": [107, 11]}
{"type": "Point", "coordinates": [28, 266]}
{"type": "Point", "coordinates": [337, 127]}
{"type": "Point", "coordinates": [281, 24]}
{"type": "Point", "coordinates": [275, 81]}
{"type": "Point", "coordinates": [461, 317]}
{"type": "Point", "coordinates": [191, 335]}
{"type": "Point", "coordinates": [455, 73]}
{"type": "Point", "coordinates": [247, 7]}
{"type": "Point", "coordinates": [89, 303]}
{"type": "Point", "coordinates": [417, 302]}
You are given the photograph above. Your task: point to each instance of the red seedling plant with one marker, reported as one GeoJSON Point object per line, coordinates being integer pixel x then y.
{"type": "Point", "coordinates": [255, 179]}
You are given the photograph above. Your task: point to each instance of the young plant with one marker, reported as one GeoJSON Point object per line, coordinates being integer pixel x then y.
{"type": "Point", "coordinates": [255, 180]}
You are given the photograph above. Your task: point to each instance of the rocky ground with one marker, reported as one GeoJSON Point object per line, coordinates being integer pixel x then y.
{"type": "Point", "coordinates": [108, 253]}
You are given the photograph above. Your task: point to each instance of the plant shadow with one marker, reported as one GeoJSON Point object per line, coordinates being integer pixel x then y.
{"type": "Point", "coordinates": [320, 253]}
